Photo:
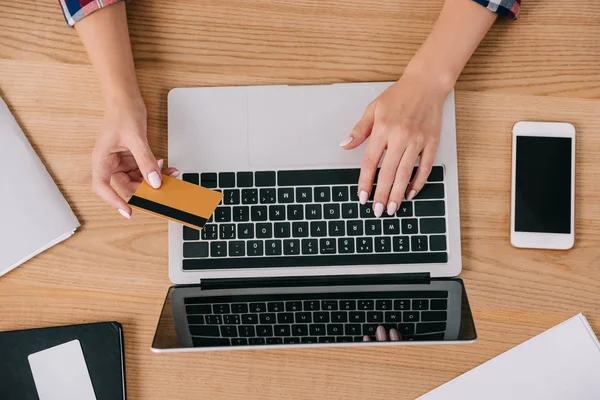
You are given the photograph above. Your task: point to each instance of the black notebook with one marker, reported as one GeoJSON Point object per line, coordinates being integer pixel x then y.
{"type": "Point", "coordinates": [24, 370]}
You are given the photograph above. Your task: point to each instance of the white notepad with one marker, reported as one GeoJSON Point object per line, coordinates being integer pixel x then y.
{"type": "Point", "coordinates": [561, 363]}
{"type": "Point", "coordinates": [33, 213]}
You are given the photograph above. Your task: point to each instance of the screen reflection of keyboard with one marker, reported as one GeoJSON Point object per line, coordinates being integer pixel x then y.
{"type": "Point", "coordinates": [315, 318]}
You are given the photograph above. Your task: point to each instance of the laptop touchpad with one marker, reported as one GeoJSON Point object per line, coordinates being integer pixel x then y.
{"type": "Point", "coordinates": [298, 126]}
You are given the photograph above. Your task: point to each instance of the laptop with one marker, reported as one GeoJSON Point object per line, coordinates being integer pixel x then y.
{"type": "Point", "coordinates": [290, 258]}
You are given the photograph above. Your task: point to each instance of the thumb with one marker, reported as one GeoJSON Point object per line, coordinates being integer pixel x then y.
{"type": "Point", "coordinates": [361, 130]}
{"type": "Point", "coordinates": [146, 162]}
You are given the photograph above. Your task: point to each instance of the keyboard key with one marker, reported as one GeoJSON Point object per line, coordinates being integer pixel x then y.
{"type": "Point", "coordinates": [331, 211]}
{"type": "Point", "coordinates": [327, 246]}
{"type": "Point", "coordinates": [256, 341]}
{"type": "Point", "coordinates": [339, 193]}
{"type": "Point", "coordinates": [375, 316]}
{"type": "Point", "coordinates": [218, 249]}
{"type": "Point", "coordinates": [291, 247]}
{"type": "Point", "coordinates": [241, 213]}
{"type": "Point", "coordinates": [205, 330]}
{"type": "Point", "coordinates": [335, 329]}
{"type": "Point", "coordinates": [406, 329]}
{"type": "Point", "coordinates": [293, 306]}
{"type": "Point", "coordinates": [191, 178]}
{"type": "Point", "coordinates": [239, 308]}
{"type": "Point", "coordinates": [285, 195]}
{"type": "Point", "coordinates": [339, 316]}
{"type": "Point", "coordinates": [431, 191]}
{"type": "Point", "coordinates": [226, 180]}
{"type": "Point", "coordinates": [245, 179]}
{"type": "Point", "coordinates": [273, 248]}
{"type": "Point", "coordinates": [366, 210]}
{"type": "Point", "coordinates": [437, 174]}
{"type": "Point", "coordinates": [418, 243]}
{"type": "Point", "coordinates": [369, 329]}
{"type": "Point", "coordinates": [310, 246]}
{"type": "Point", "coordinates": [199, 309]}
{"type": "Point", "coordinates": [275, 306]}
{"type": "Point", "coordinates": [300, 229]}
{"type": "Point", "coordinates": [264, 178]}
{"type": "Point", "coordinates": [227, 231]}
{"type": "Point", "coordinates": [357, 316]}
{"type": "Point", "coordinates": [214, 319]}
{"type": "Point", "coordinates": [327, 339]}
{"type": "Point", "coordinates": [239, 342]}
{"type": "Point", "coordinates": [403, 305]}
{"type": "Point", "coordinates": [208, 180]}
{"type": "Point", "coordinates": [317, 330]}
{"type": "Point", "coordinates": [274, 340]}
{"type": "Point", "coordinates": [434, 316]}
{"type": "Point", "coordinates": [250, 319]}
{"type": "Point", "coordinates": [237, 249]}
{"type": "Point", "coordinates": [346, 176]}
{"type": "Point", "coordinates": [314, 211]}
{"type": "Point", "coordinates": [437, 304]}
{"type": "Point", "coordinates": [405, 209]}
{"type": "Point", "coordinates": [383, 244]}
{"type": "Point", "coordinates": [264, 330]}
{"type": "Point", "coordinates": [347, 305]}
{"type": "Point", "coordinates": [267, 318]}
{"type": "Point", "coordinates": [245, 231]}
{"type": "Point", "coordinates": [309, 339]}
{"type": "Point", "coordinates": [321, 317]}
{"type": "Point", "coordinates": [303, 318]}
{"type": "Point", "coordinates": [258, 307]}
{"type": "Point", "coordinates": [258, 213]}
{"type": "Point", "coordinates": [410, 316]}
{"type": "Point", "coordinates": [195, 319]}
{"type": "Point", "coordinates": [366, 305]}
{"type": "Point", "coordinates": [329, 305]}
{"type": "Point", "coordinates": [373, 190]}
{"type": "Point", "coordinates": [349, 210]}
{"type": "Point", "coordinates": [409, 226]}
{"type": "Point", "coordinates": [391, 227]}
{"type": "Point", "coordinates": [285, 318]}
{"type": "Point", "coordinates": [437, 242]}
{"type": "Point", "coordinates": [291, 340]}
{"type": "Point", "coordinates": [222, 214]}
{"type": "Point", "coordinates": [268, 196]}
{"type": "Point", "coordinates": [210, 232]}
{"type": "Point", "coordinates": [420, 305]}
{"type": "Point", "coordinates": [231, 196]}
{"type": "Point", "coordinates": [344, 339]}
{"type": "Point", "coordinates": [282, 330]}
{"type": "Point", "coordinates": [430, 208]}
{"type": "Point", "coordinates": [312, 305]}
{"type": "Point", "coordinates": [318, 228]}
{"type": "Point", "coordinates": [264, 230]}
{"type": "Point", "coordinates": [190, 233]}
{"type": "Point", "coordinates": [373, 227]}
{"type": "Point", "coordinates": [299, 330]}
{"type": "Point", "coordinates": [383, 305]}
{"type": "Point", "coordinates": [303, 195]}
{"type": "Point", "coordinates": [364, 245]}
{"type": "Point", "coordinates": [400, 243]}
{"type": "Point", "coordinates": [249, 196]}
{"type": "Point", "coordinates": [352, 329]}
{"type": "Point", "coordinates": [433, 225]}
{"type": "Point", "coordinates": [322, 194]}
{"type": "Point", "coordinates": [229, 331]}
{"type": "Point", "coordinates": [354, 227]}
{"type": "Point", "coordinates": [393, 316]}
{"type": "Point", "coordinates": [429, 327]}
{"type": "Point", "coordinates": [346, 245]}
{"type": "Point", "coordinates": [354, 193]}
{"type": "Point", "coordinates": [282, 229]}
{"type": "Point", "coordinates": [295, 212]}
{"type": "Point", "coordinates": [255, 248]}
{"type": "Point", "coordinates": [195, 249]}
{"type": "Point", "coordinates": [277, 213]}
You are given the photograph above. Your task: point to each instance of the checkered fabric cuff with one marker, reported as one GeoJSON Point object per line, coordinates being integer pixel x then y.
{"type": "Point", "coordinates": [504, 8]}
{"type": "Point", "coordinates": [76, 10]}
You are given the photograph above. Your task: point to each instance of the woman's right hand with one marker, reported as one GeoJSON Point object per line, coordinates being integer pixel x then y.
{"type": "Point", "coordinates": [122, 157]}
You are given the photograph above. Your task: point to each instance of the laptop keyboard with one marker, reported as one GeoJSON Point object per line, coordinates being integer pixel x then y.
{"type": "Point", "coordinates": [312, 218]}
{"type": "Point", "coordinates": [315, 318]}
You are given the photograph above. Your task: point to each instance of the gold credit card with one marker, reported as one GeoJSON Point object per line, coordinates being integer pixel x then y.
{"type": "Point", "coordinates": [177, 201]}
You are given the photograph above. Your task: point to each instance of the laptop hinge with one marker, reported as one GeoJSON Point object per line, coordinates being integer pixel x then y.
{"type": "Point", "coordinates": [329, 280]}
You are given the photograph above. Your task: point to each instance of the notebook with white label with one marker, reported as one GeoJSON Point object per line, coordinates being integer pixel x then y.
{"type": "Point", "coordinates": [561, 363]}
{"type": "Point", "coordinates": [33, 213]}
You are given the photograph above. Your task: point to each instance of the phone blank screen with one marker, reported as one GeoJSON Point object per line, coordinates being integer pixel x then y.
{"type": "Point", "coordinates": [543, 184]}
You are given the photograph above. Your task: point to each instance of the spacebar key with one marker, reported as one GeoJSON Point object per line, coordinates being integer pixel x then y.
{"type": "Point", "coordinates": [348, 176]}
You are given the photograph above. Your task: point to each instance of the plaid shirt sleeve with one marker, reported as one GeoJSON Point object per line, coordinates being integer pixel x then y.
{"type": "Point", "coordinates": [76, 10]}
{"type": "Point", "coordinates": [504, 8]}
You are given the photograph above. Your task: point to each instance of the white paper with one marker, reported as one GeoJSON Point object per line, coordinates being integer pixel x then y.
{"type": "Point", "coordinates": [60, 373]}
{"type": "Point", "coordinates": [561, 363]}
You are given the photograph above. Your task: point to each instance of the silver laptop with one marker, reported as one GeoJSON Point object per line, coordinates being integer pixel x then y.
{"type": "Point", "coordinates": [290, 258]}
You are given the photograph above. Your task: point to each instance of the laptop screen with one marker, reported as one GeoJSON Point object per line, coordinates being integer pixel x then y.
{"type": "Point", "coordinates": [193, 318]}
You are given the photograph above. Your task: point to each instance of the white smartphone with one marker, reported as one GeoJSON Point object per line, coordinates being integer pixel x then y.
{"type": "Point", "coordinates": [543, 185]}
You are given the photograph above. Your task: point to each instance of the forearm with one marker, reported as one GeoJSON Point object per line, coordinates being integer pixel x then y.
{"type": "Point", "coordinates": [461, 26]}
{"type": "Point", "coordinates": [106, 38]}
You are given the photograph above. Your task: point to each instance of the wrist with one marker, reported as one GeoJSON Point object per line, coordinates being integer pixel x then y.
{"type": "Point", "coordinates": [125, 98]}
{"type": "Point", "coordinates": [432, 74]}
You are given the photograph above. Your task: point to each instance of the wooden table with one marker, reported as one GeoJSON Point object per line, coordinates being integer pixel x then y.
{"type": "Point", "coordinates": [545, 66]}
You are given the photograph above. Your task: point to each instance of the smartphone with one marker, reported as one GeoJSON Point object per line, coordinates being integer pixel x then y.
{"type": "Point", "coordinates": [543, 185]}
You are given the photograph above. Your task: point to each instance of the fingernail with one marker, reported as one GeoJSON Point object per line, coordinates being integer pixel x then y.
{"type": "Point", "coordinates": [124, 213]}
{"type": "Point", "coordinates": [366, 338]}
{"type": "Point", "coordinates": [380, 334]}
{"type": "Point", "coordinates": [411, 195]}
{"type": "Point", "coordinates": [363, 197]}
{"type": "Point", "coordinates": [378, 210]}
{"type": "Point", "coordinates": [346, 141]}
{"type": "Point", "coordinates": [161, 162]}
{"type": "Point", "coordinates": [154, 179]}
{"type": "Point", "coordinates": [175, 174]}
{"type": "Point", "coordinates": [394, 335]}
{"type": "Point", "coordinates": [392, 207]}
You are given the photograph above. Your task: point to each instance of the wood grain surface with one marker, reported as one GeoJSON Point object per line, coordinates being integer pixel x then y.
{"type": "Point", "coordinates": [544, 66]}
